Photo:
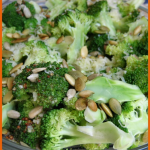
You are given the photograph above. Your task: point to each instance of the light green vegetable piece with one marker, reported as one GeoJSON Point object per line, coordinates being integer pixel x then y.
{"type": "Point", "coordinates": [105, 88]}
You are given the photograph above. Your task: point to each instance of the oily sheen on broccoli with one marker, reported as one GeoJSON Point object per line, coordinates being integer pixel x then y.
{"type": "Point", "coordinates": [6, 67]}
{"type": "Point", "coordinates": [50, 87]}
{"type": "Point", "coordinates": [12, 19]}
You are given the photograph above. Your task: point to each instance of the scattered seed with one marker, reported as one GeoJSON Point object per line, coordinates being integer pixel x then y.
{"type": "Point", "coordinates": [68, 39]}
{"type": "Point", "coordinates": [86, 93]}
{"type": "Point", "coordinates": [51, 23]}
{"type": "Point", "coordinates": [8, 97]}
{"type": "Point", "coordinates": [145, 137]}
{"type": "Point", "coordinates": [34, 112]}
{"type": "Point", "coordinates": [36, 70]}
{"type": "Point", "coordinates": [47, 16]}
{"type": "Point", "coordinates": [15, 68]}
{"type": "Point", "coordinates": [92, 105]}
{"type": "Point", "coordinates": [77, 68]}
{"type": "Point", "coordinates": [4, 80]}
{"type": "Point", "coordinates": [27, 12]}
{"type": "Point", "coordinates": [6, 45]}
{"type": "Point", "coordinates": [10, 83]}
{"type": "Point", "coordinates": [16, 35]}
{"type": "Point", "coordinates": [60, 40]}
{"type": "Point", "coordinates": [100, 56]}
{"type": "Point", "coordinates": [105, 46]}
{"type": "Point", "coordinates": [79, 84]}
{"type": "Point", "coordinates": [93, 76]}
{"type": "Point", "coordinates": [33, 77]}
{"type": "Point", "coordinates": [19, 40]}
{"type": "Point", "coordinates": [71, 93]}
{"type": "Point", "coordinates": [113, 42]}
{"type": "Point", "coordinates": [65, 65]}
{"type": "Point", "coordinates": [81, 104]}
{"type": "Point", "coordinates": [107, 110]}
{"type": "Point", "coordinates": [84, 52]}
{"type": "Point", "coordinates": [13, 114]}
{"type": "Point", "coordinates": [115, 106]}
{"type": "Point", "coordinates": [70, 79]}
{"type": "Point", "coordinates": [19, 2]}
{"type": "Point", "coordinates": [9, 35]}
{"type": "Point", "coordinates": [42, 35]}
{"type": "Point", "coordinates": [137, 30]}
{"type": "Point", "coordinates": [76, 74]}
{"type": "Point", "coordinates": [108, 69]}
{"type": "Point", "coordinates": [94, 53]}
{"type": "Point", "coordinates": [45, 38]}
{"type": "Point", "coordinates": [6, 53]}
{"type": "Point", "coordinates": [26, 32]}
{"type": "Point", "coordinates": [84, 78]}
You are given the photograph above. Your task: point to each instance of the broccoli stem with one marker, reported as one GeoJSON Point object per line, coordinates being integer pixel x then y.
{"type": "Point", "coordinates": [78, 33]}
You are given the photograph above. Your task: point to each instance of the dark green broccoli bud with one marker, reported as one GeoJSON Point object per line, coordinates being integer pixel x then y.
{"type": "Point", "coordinates": [117, 122]}
{"type": "Point", "coordinates": [6, 67]}
{"type": "Point", "coordinates": [50, 86]}
{"type": "Point", "coordinates": [96, 43]}
{"type": "Point", "coordinates": [137, 72]}
{"type": "Point", "coordinates": [96, 146]}
{"type": "Point", "coordinates": [13, 19]}
{"type": "Point", "coordinates": [30, 23]}
{"type": "Point", "coordinates": [101, 17]}
{"type": "Point", "coordinates": [45, 25]}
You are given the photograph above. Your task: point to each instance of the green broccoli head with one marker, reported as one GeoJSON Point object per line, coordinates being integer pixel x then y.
{"type": "Point", "coordinates": [38, 51]}
{"type": "Point", "coordinates": [96, 43]}
{"type": "Point", "coordinates": [96, 146]}
{"type": "Point", "coordinates": [6, 67]}
{"type": "Point", "coordinates": [50, 87]}
{"type": "Point", "coordinates": [127, 8]}
{"type": "Point", "coordinates": [70, 103]}
{"type": "Point", "coordinates": [137, 72]}
{"type": "Point", "coordinates": [31, 24]}
{"type": "Point", "coordinates": [45, 25]}
{"type": "Point", "coordinates": [57, 7]}
{"type": "Point", "coordinates": [76, 24]}
{"type": "Point", "coordinates": [13, 19]}
{"type": "Point", "coordinates": [101, 17]}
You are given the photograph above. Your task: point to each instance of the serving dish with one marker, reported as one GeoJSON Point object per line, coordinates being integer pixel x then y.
{"type": "Point", "coordinates": [9, 145]}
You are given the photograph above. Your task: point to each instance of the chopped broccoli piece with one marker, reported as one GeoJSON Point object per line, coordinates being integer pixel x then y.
{"type": "Point", "coordinates": [6, 67]}
{"type": "Point", "coordinates": [60, 130]}
{"type": "Point", "coordinates": [137, 72]}
{"type": "Point", "coordinates": [76, 24]}
{"type": "Point", "coordinates": [50, 86]}
{"type": "Point", "coordinates": [127, 8]}
{"type": "Point", "coordinates": [96, 43]}
{"type": "Point", "coordinates": [12, 19]}
{"type": "Point", "coordinates": [46, 27]}
{"type": "Point", "coordinates": [70, 103]}
{"type": "Point", "coordinates": [96, 146]}
{"type": "Point", "coordinates": [105, 88]}
{"type": "Point", "coordinates": [100, 13]}
{"type": "Point", "coordinates": [57, 7]}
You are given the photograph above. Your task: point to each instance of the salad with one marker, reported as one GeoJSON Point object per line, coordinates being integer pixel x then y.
{"type": "Point", "coordinates": [75, 73]}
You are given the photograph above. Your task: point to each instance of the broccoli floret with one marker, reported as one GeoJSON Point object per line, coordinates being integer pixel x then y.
{"type": "Point", "coordinates": [59, 130]}
{"type": "Point", "coordinates": [31, 24]}
{"type": "Point", "coordinates": [50, 86]}
{"type": "Point", "coordinates": [137, 72]}
{"type": "Point", "coordinates": [127, 8]}
{"type": "Point", "coordinates": [13, 19]}
{"type": "Point", "coordinates": [46, 27]}
{"type": "Point", "coordinates": [96, 43]}
{"type": "Point", "coordinates": [76, 24]}
{"type": "Point", "coordinates": [100, 13]}
{"type": "Point", "coordinates": [38, 51]}
{"type": "Point", "coordinates": [134, 116]}
{"type": "Point", "coordinates": [122, 24]}
{"type": "Point", "coordinates": [96, 146]}
{"type": "Point", "coordinates": [5, 31]}
{"type": "Point", "coordinates": [105, 88]}
{"type": "Point", "coordinates": [6, 67]}
{"type": "Point", "coordinates": [70, 103]}
{"type": "Point", "coordinates": [57, 7]}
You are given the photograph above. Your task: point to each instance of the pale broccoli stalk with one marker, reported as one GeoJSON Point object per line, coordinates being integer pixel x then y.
{"type": "Point", "coordinates": [57, 7]}
{"type": "Point", "coordinates": [76, 24]}
{"type": "Point", "coordinates": [37, 51]}
{"type": "Point", "coordinates": [59, 124]}
{"type": "Point", "coordinates": [5, 109]}
{"type": "Point", "coordinates": [101, 17]}
{"type": "Point", "coordinates": [105, 88]}
{"type": "Point", "coordinates": [126, 8]}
